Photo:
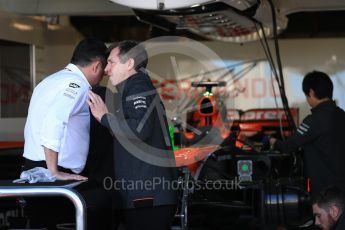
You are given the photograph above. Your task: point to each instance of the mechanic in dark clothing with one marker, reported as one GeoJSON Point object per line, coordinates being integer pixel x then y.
{"type": "Point", "coordinates": [320, 135]}
{"type": "Point", "coordinates": [144, 163]}
{"type": "Point", "coordinates": [328, 209]}
{"type": "Point", "coordinates": [99, 166]}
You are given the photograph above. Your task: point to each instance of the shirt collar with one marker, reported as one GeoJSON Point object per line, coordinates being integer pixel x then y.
{"type": "Point", "coordinates": [121, 86]}
{"type": "Point", "coordinates": [325, 105]}
{"type": "Point", "coordinates": [74, 69]}
{"type": "Point", "coordinates": [340, 223]}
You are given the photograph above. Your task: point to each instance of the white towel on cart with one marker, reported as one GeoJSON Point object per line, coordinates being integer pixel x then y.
{"type": "Point", "coordinates": [34, 175]}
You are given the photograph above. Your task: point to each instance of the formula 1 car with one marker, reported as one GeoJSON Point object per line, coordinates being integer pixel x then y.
{"type": "Point", "coordinates": [238, 182]}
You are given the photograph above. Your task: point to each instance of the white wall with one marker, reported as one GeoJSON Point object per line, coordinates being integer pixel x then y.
{"type": "Point", "coordinates": [254, 90]}
{"type": "Point", "coordinates": [52, 50]}
{"type": "Point", "coordinates": [176, 61]}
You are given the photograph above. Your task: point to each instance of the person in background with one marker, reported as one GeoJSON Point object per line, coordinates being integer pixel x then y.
{"type": "Point", "coordinates": [320, 135]}
{"type": "Point", "coordinates": [328, 209]}
{"type": "Point", "coordinates": [99, 167]}
{"type": "Point", "coordinates": [141, 142]}
{"type": "Point", "coordinates": [99, 164]}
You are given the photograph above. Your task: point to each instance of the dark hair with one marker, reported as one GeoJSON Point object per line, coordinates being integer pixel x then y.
{"type": "Point", "coordinates": [330, 196]}
{"type": "Point", "coordinates": [131, 49]}
{"type": "Point", "coordinates": [320, 83]}
{"type": "Point", "coordinates": [88, 51]}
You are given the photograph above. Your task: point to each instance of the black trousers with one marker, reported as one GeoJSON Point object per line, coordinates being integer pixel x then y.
{"type": "Point", "coordinates": [29, 164]}
{"type": "Point", "coordinates": [47, 212]}
{"type": "Point", "coordinates": [148, 218]}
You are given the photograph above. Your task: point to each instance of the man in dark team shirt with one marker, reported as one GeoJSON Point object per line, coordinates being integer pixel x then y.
{"type": "Point", "coordinates": [321, 135]}
{"type": "Point", "coordinates": [144, 163]}
{"type": "Point", "coordinates": [328, 209]}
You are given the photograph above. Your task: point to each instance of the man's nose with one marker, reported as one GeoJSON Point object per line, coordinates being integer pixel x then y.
{"type": "Point", "coordinates": [106, 68]}
{"type": "Point", "coordinates": [106, 71]}
{"type": "Point", "coordinates": [317, 222]}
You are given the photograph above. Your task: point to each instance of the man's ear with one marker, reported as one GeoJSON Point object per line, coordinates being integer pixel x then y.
{"type": "Point", "coordinates": [96, 66]}
{"type": "Point", "coordinates": [334, 211]}
{"type": "Point", "coordinates": [130, 64]}
{"type": "Point", "coordinates": [311, 93]}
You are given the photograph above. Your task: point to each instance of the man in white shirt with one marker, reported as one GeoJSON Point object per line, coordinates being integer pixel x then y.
{"type": "Point", "coordinates": [58, 123]}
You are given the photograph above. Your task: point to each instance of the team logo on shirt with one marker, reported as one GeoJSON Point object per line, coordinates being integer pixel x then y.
{"type": "Point", "coordinates": [71, 93]}
{"type": "Point", "coordinates": [139, 102]}
{"type": "Point", "coordinates": [74, 85]}
{"type": "Point", "coordinates": [303, 128]}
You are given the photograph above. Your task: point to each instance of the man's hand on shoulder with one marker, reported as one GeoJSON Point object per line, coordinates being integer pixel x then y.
{"type": "Point", "coordinates": [97, 106]}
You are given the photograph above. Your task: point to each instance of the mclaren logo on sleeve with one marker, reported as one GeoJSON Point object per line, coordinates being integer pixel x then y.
{"type": "Point", "coordinates": [73, 85]}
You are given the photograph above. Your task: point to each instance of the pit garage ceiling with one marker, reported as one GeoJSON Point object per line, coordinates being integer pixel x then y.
{"type": "Point", "coordinates": [106, 7]}
{"type": "Point", "coordinates": [298, 18]}
{"type": "Point", "coordinates": [64, 7]}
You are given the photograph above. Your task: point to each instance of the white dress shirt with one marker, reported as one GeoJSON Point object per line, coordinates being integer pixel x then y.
{"type": "Point", "coordinates": [59, 119]}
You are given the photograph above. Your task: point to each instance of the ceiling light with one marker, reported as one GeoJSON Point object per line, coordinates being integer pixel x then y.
{"type": "Point", "coordinates": [53, 27]}
{"type": "Point", "coordinates": [157, 4]}
{"type": "Point", "coordinates": [22, 27]}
